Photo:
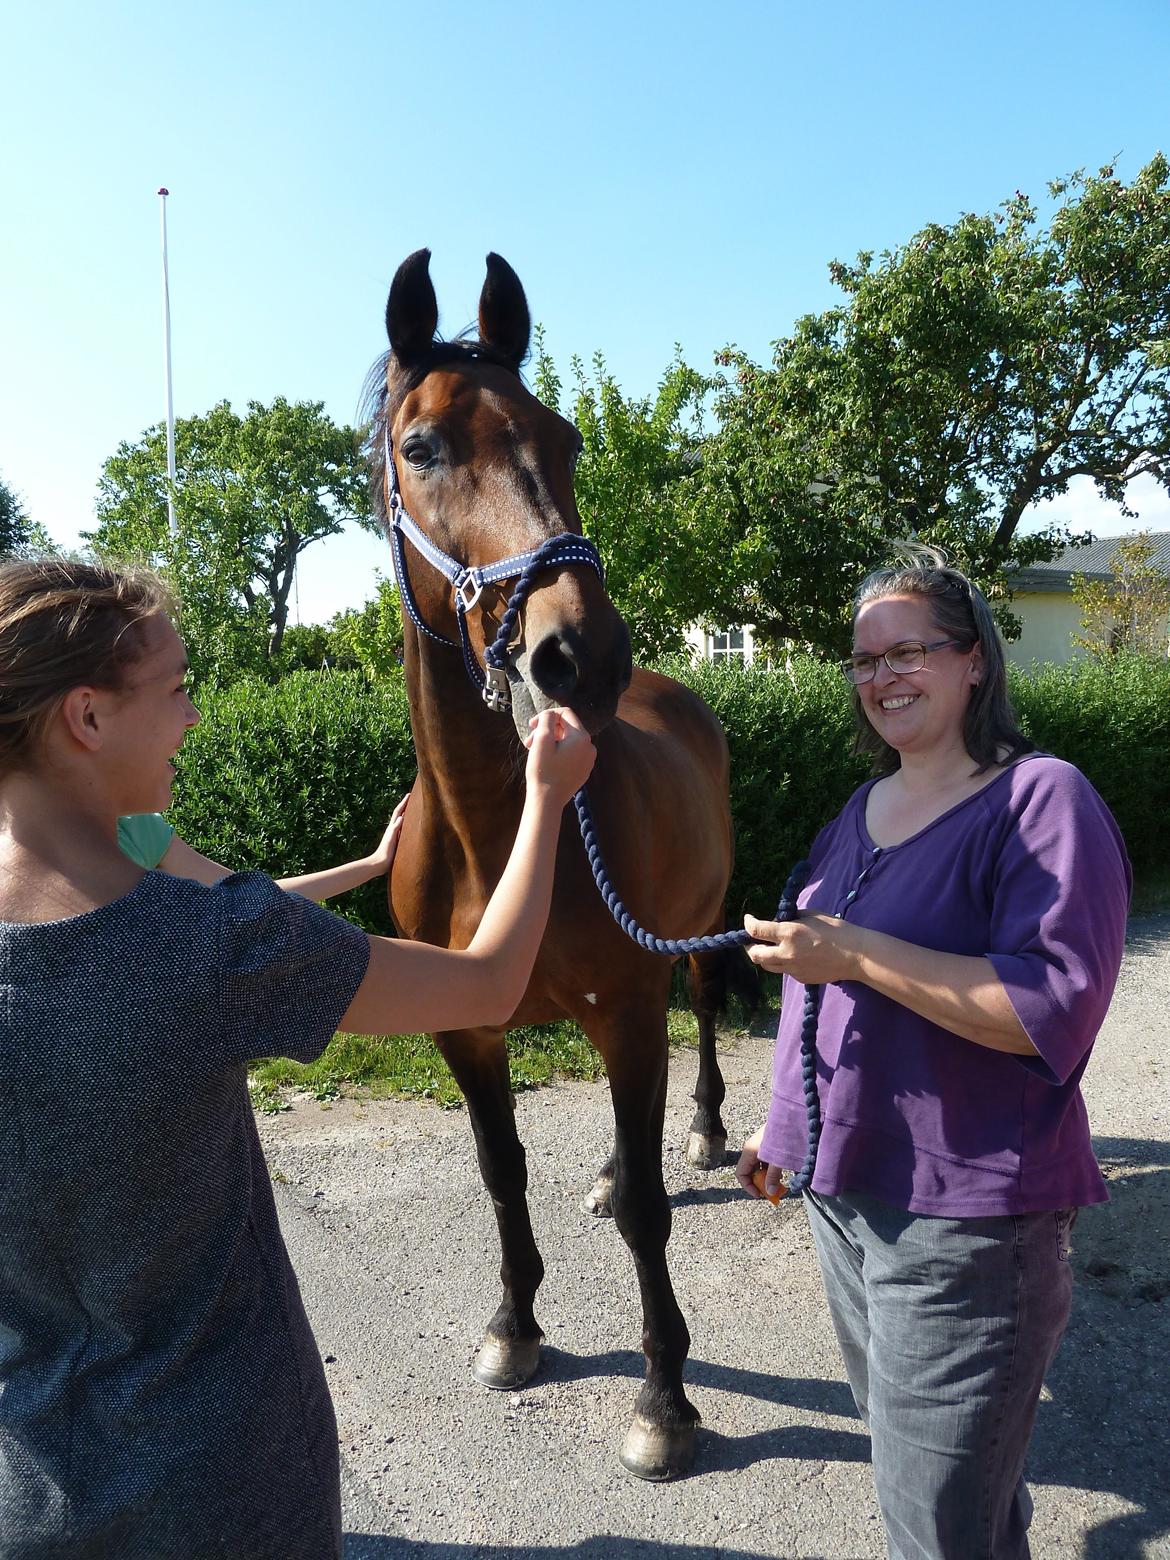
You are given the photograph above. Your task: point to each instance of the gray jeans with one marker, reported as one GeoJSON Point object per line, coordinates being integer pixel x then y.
{"type": "Point", "coordinates": [947, 1327]}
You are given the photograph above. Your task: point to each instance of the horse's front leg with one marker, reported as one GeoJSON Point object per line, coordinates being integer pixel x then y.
{"type": "Point", "coordinates": [707, 988]}
{"type": "Point", "coordinates": [510, 1351]}
{"type": "Point", "coordinates": [661, 1440]}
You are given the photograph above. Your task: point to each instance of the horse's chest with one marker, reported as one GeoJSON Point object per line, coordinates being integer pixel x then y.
{"type": "Point", "coordinates": [439, 890]}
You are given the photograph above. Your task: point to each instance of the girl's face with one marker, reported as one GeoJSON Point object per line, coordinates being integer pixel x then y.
{"type": "Point", "coordinates": [147, 719]}
{"type": "Point", "coordinates": [915, 712]}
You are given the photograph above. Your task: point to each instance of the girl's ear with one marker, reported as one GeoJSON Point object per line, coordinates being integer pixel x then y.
{"type": "Point", "coordinates": [976, 672]}
{"type": "Point", "coordinates": [80, 715]}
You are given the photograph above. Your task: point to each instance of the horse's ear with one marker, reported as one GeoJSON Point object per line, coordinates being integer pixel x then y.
{"type": "Point", "coordinates": [412, 311]}
{"type": "Point", "coordinates": [503, 312]}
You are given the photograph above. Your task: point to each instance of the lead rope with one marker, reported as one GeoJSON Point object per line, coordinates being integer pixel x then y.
{"type": "Point", "coordinates": [786, 910]}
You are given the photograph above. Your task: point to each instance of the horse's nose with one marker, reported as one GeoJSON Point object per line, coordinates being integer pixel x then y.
{"type": "Point", "coordinates": [556, 667]}
{"type": "Point", "coordinates": [589, 672]}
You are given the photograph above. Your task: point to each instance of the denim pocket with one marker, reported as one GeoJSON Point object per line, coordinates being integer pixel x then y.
{"type": "Point", "coordinates": [1065, 1219]}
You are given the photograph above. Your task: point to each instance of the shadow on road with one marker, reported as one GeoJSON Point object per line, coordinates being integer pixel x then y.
{"type": "Point", "coordinates": [819, 1397]}
{"type": "Point", "coordinates": [1106, 1424]}
{"type": "Point", "coordinates": [603, 1546]}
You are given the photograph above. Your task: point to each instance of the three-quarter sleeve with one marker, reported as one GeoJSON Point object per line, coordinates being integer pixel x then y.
{"type": "Point", "coordinates": [1061, 894]}
{"type": "Point", "coordinates": [287, 970]}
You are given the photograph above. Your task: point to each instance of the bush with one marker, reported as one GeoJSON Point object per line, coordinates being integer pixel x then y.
{"type": "Point", "coordinates": [296, 776]}
{"type": "Point", "coordinates": [304, 774]}
{"type": "Point", "coordinates": [789, 732]}
{"type": "Point", "coordinates": [1112, 720]}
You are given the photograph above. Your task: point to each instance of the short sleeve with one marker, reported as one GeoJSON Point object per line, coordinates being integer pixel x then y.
{"type": "Point", "coordinates": [145, 838]}
{"type": "Point", "coordinates": [1061, 896]}
{"type": "Point", "coordinates": [287, 969]}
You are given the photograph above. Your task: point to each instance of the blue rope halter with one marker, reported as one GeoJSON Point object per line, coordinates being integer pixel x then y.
{"type": "Point", "coordinates": [468, 583]}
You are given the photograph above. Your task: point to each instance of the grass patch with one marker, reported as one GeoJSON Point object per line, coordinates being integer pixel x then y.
{"type": "Point", "coordinates": [410, 1067]}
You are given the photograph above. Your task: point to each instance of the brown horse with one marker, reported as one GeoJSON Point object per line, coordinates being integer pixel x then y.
{"type": "Point", "coordinates": [486, 471]}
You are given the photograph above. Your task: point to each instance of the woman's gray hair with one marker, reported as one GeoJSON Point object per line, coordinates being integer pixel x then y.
{"type": "Point", "coordinates": [991, 732]}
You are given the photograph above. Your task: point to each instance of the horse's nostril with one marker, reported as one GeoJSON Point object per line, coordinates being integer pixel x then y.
{"type": "Point", "coordinates": [554, 668]}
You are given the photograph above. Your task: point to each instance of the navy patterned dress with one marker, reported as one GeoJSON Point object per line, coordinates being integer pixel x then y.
{"type": "Point", "coordinates": [161, 1394]}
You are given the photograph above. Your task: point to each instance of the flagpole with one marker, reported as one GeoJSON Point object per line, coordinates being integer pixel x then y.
{"type": "Point", "coordinates": [172, 523]}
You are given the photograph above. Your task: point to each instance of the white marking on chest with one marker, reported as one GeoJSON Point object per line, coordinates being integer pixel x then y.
{"type": "Point", "coordinates": [591, 996]}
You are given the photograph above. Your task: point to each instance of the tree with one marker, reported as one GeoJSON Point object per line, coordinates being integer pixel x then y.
{"type": "Point", "coordinates": [18, 534]}
{"type": "Point", "coordinates": [252, 493]}
{"type": "Point", "coordinates": [1130, 611]}
{"type": "Point", "coordinates": [633, 486]}
{"type": "Point", "coordinates": [371, 637]}
{"type": "Point", "coordinates": [968, 375]}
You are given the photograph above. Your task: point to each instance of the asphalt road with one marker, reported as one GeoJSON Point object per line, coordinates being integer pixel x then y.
{"type": "Point", "coordinates": [393, 1239]}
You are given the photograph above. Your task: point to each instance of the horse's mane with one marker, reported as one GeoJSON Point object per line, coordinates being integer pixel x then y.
{"type": "Point", "coordinates": [384, 392]}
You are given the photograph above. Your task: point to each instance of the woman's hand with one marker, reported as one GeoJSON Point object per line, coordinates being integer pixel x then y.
{"type": "Point", "coordinates": [815, 950]}
{"type": "Point", "coordinates": [749, 1163]}
{"type": "Point", "coordinates": [560, 754]}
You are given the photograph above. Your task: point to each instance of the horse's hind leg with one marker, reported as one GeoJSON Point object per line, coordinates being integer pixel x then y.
{"type": "Point", "coordinates": [707, 988]}
{"type": "Point", "coordinates": [661, 1441]}
{"type": "Point", "coordinates": [510, 1351]}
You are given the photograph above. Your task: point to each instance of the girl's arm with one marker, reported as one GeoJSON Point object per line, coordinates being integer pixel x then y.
{"type": "Point", "coordinates": [181, 860]}
{"type": "Point", "coordinates": [411, 986]}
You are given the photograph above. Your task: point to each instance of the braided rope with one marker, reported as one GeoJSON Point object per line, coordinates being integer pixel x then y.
{"type": "Point", "coordinates": [786, 910]}
{"type": "Point", "coordinates": [568, 547]}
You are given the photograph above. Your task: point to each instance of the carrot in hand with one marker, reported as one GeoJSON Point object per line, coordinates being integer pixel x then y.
{"type": "Point", "coordinates": [759, 1177]}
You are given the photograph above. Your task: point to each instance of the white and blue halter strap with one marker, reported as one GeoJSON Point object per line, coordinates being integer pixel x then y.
{"type": "Point", "coordinates": [467, 582]}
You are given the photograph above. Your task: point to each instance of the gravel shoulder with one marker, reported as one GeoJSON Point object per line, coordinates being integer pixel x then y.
{"type": "Point", "coordinates": [394, 1243]}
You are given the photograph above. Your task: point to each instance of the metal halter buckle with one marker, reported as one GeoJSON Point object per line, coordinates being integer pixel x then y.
{"type": "Point", "coordinates": [496, 694]}
{"type": "Point", "coordinates": [469, 591]}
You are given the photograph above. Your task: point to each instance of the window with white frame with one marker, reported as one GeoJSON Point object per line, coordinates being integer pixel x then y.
{"type": "Point", "coordinates": [730, 644]}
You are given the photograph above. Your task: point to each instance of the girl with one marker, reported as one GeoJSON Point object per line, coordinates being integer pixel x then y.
{"type": "Point", "coordinates": [161, 1396]}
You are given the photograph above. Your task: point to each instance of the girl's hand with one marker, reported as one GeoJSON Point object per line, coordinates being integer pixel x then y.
{"type": "Point", "coordinates": [560, 754]}
{"type": "Point", "coordinates": [814, 950]}
{"type": "Point", "coordinates": [382, 856]}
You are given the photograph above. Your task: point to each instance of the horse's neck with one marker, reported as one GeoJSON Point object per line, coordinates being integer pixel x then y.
{"type": "Point", "coordinates": [468, 757]}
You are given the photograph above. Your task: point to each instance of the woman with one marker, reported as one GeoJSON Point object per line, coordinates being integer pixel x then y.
{"type": "Point", "coordinates": [161, 1396]}
{"type": "Point", "coordinates": [965, 917]}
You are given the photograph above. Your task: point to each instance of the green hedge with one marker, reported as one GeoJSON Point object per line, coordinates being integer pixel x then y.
{"type": "Point", "coordinates": [297, 776]}
{"type": "Point", "coordinates": [304, 774]}
{"type": "Point", "coordinates": [1112, 720]}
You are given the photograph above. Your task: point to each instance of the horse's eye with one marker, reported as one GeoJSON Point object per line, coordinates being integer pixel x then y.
{"type": "Point", "coordinates": [418, 452]}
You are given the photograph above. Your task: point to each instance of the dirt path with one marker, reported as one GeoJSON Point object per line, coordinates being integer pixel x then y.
{"type": "Point", "coordinates": [393, 1239]}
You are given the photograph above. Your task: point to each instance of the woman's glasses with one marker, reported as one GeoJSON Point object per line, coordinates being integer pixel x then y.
{"type": "Point", "coordinates": [909, 656]}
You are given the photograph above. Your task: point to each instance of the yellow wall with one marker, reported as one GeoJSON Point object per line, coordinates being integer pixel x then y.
{"type": "Point", "coordinates": [1050, 620]}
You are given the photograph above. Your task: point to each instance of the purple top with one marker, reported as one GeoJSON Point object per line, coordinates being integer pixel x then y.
{"type": "Point", "coordinates": [1031, 872]}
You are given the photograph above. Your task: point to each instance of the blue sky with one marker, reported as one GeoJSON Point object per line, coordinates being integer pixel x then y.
{"type": "Point", "coordinates": [655, 173]}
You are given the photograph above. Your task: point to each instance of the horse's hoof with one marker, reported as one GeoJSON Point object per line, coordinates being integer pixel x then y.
{"type": "Point", "coordinates": [704, 1152]}
{"type": "Point", "coordinates": [506, 1363]}
{"type": "Point", "coordinates": [658, 1452]}
{"type": "Point", "coordinates": [599, 1200]}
